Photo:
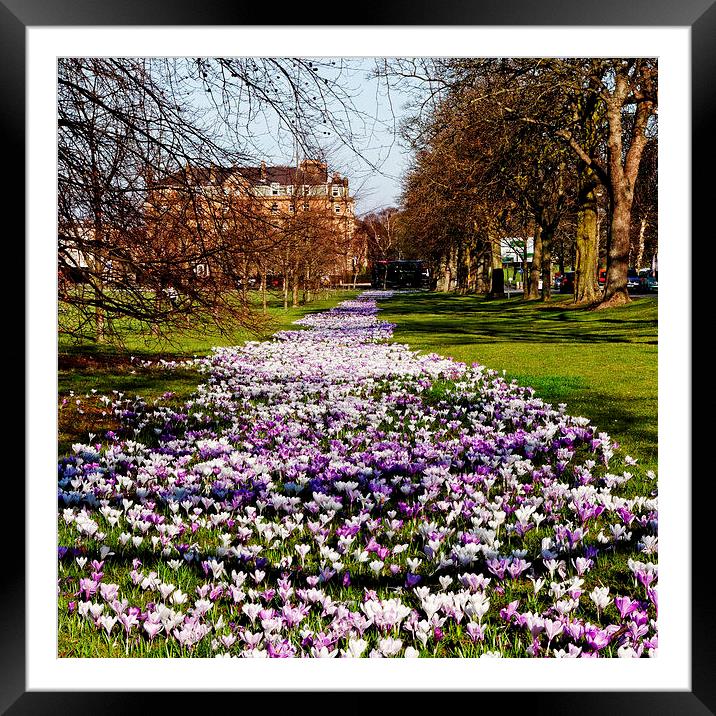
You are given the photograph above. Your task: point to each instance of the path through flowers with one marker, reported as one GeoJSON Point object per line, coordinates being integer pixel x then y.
{"type": "Point", "coordinates": [331, 493]}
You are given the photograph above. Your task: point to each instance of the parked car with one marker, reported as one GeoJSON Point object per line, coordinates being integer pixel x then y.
{"type": "Point", "coordinates": [567, 283]}
{"type": "Point", "coordinates": [633, 280]}
{"type": "Point", "coordinates": [650, 282]}
{"type": "Point", "coordinates": [602, 278]}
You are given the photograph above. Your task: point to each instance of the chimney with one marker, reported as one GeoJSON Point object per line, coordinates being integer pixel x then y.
{"type": "Point", "coordinates": [263, 171]}
{"type": "Point", "coordinates": [314, 165]}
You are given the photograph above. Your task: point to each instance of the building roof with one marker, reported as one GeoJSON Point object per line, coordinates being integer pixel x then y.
{"type": "Point", "coordinates": [309, 171]}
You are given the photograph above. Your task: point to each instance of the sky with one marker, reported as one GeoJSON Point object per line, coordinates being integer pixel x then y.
{"type": "Point", "coordinates": [376, 183]}
{"type": "Point", "coordinates": [364, 146]}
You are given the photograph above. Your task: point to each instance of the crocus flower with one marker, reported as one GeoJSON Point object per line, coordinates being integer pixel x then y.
{"type": "Point", "coordinates": [327, 453]}
{"type": "Point", "coordinates": [509, 611]}
{"type": "Point", "coordinates": [475, 631]}
{"type": "Point", "coordinates": [625, 605]}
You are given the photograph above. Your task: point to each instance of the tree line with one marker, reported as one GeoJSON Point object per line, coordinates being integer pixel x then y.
{"type": "Point", "coordinates": [562, 150]}
{"type": "Point", "coordinates": [126, 126]}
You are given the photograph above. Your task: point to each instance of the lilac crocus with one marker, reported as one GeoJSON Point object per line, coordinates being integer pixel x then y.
{"type": "Point", "coordinates": [625, 605]}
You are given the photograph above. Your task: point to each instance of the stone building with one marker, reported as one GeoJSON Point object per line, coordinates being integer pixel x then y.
{"type": "Point", "coordinates": [264, 197]}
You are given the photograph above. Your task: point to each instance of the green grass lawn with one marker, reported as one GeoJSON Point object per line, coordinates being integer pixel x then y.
{"type": "Point", "coordinates": [602, 364]}
{"type": "Point", "coordinates": [137, 339]}
{"type": "Point", "coordinates": [87, 366]}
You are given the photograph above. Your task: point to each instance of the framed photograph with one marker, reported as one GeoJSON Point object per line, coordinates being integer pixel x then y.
{"type": "Point", "coordinates": [35, 36]}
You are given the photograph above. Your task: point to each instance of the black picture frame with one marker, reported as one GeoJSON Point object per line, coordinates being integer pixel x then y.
{"type": "Point", "coordinates": [699, 15]}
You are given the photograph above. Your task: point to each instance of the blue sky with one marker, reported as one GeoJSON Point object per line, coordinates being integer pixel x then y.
{"type": "Point", "coordinates": [382, 110]}
{"type": "Point", "coordinates": [377, 159]}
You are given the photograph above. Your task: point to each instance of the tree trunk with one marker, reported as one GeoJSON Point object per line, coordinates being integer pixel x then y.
{"type": "Point", "coordinates": [440, 275]}
{"type": "Point", "coordinates": [482, 283]}
{"type": "Point", "coordinates": [616, 293]}
{"type": "Point", "coordinates": [263, 291]}
{"type": "Point", "coordinates": [546, 263]}
{"type": "Point", "coordinates": [536, 267]}
{"type": "Point", "coordinates": [471, 262]}
{"type": "Point", "coordinates": [495, 252]}
{"type": "Point", "coordinates": [244, 279]}
{"type": "Point", "coordinates": [586, 285]}
{"type": "Point", "coordinates": [99, 325]}
{"type": "Point", "coordinates": [623, 172]}
{"type": "Point", "coordinates": [97, 258]}
{"type": "Point", "coordinates": [452, 269]}
{"type": "Point", "coordinates": [640, 249]}
{"type": "Point", "coordinates": [285, 292]}
{"type": "Point", "coordinates": [307, 286]}
{"type": "Point", "coordinates": [295, 289]}
{"type": "Point", "coordinates": [488, 261]}
{"type": "Point", "coordinates": [460, 267]}
{"type": "Point", "coordinates": [99, 321]}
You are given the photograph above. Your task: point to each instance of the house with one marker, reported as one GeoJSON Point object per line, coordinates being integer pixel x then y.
{"type": "Point", "coordinates": [248, 201]}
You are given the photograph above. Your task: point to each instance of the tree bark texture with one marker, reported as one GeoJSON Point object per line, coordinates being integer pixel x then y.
{"type": "Point", "coordinates": [536, 267]}
{"type": "Point", "coordinates": [623, 172]}
{"type": "Point", "coordinates": [640, 248]}
{"type": "Point", "coordinates": [616, 293]}
{"type": "Point", "coordinates": [295, 289]}
{"type": "Point", "coordinates": [586, 284]}
{"type": "Point", "coordinates": [307, 286]}
{"type": "Point", "coordinates": [546, 264]}
{"type": "Point", "coordinates": [484, 278]}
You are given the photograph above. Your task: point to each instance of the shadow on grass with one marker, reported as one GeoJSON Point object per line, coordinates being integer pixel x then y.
{"type": "Point", "coordinates": [620, 416]}
{"type": "Point", "coordinates": [636, 418]}
{"type": "Point", "coordinates": [478, 319]}
{"type": "Point", "coordinates": [602, 364]}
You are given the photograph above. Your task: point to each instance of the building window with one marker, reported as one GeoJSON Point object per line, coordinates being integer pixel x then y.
{"type": "Point", "coordinates": [335, 191]}
{"type": "Point", "coordinates": [274, 208]}
{"type": "Point", "coordinates": [291, 208]}
{"type": "Point", "coordinates": [338, 210]}
{"type": "Point", "coordinates": [274, 189]}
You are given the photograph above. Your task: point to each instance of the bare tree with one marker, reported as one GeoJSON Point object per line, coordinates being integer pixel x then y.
{"type": "Point", "coordinates": [603, 109]}
{"type": "Point", "coordinates": [627, 90]}
{"type": "Point", "coordinates": [149, 228]}
{"type": "Point", "coordinates": [644, 239]}
{"type": "Point", "coordinates": [381, 227]}
{"type": "Point", "coordinates": [486, 169]}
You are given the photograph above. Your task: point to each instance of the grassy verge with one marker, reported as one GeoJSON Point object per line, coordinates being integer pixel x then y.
{"type": "Point", "coordinates": [602, 364]}
{"type": "Point", "coordinates": [87, 369]}
{"type": "Point", "coordinates": [463, 327]}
